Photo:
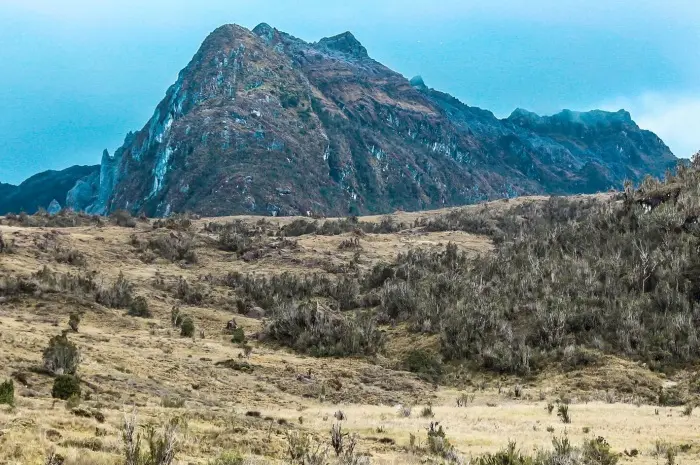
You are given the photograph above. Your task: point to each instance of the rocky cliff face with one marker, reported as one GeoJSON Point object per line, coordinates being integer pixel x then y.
{"type": "Point", "coordinates": [261, 122]}
{"type": "Point", "coordinates": [41, 189]}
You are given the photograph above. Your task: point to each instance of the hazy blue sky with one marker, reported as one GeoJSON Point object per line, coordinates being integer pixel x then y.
{"type": "Point", "coordinates": [78, 74]}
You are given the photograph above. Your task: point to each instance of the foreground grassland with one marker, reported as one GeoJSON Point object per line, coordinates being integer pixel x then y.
{"type": "Point", "coordinates": [384, 381]}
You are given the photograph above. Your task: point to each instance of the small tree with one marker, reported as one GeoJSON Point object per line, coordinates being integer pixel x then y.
{"type": "Point", "coordinates": [74, 322]}
{"type": "Point", "coordinates": [187, 327]}
{"type": "Point", "coordinates": [7, 392]}
{"type": "Point", "coordinates": [66, 387]}
{"type": "Point", "coordinates": [61, 356]}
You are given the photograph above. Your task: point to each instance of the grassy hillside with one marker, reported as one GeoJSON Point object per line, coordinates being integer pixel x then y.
{"type": "Point", "coordinates": [551, 322]}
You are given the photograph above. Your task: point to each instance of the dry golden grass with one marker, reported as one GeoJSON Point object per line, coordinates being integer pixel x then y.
{"type": "Point", "coordinates": [129, 362]}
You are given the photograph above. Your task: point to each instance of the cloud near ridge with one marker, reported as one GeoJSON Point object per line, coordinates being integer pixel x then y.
{"type": "Point", "coordinates": [675, 118]}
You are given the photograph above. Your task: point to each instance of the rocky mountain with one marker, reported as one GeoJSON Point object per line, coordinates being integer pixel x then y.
{"type": "Point", "coordinates": [261, 122]}
{"type": "Point", "coordinates": [42, 189]}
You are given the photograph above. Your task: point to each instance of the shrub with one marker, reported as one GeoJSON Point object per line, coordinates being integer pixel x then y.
{"type": "Point", "coordinates": [187, 327]}
{"type": "Point", "coordinates": [228, 458]}
{"type": "Point", "coordinates": [163, 443]}
{"type": "Point", "coordinates": [302, 450]}
{"type": "Point", "coordinates": [6, 246]}
{"type": "Point", "coordinates": [438, 444]}
{"type": "Point", "coordinates": [139, 308]}
{"type": "Point", "coordinates": [74, 322]}
{"type": "Point", "coordinates": [174, 247]}
{"type": "Point", "coordinates": [61, 356]}
{"type": "Point", "coordinates": [307, 328]}
{"type": "Point", "coordinates": [597, 451]}
{"type": "Point", "coordinates": [238, 336]}
{"type": "Point", "coordinates": [65, 387]}
{"type": "Point", "coordinates": [422, 362]}
{"type": "Point", "coordinates": [688, 410]}
{"type": "Point", "coordinates": [123, 219]}
{"type": "Point", "coordinates": [172, 402]}
{"type": "Point", "coordinates": [7, 393]}
{"type": "Point", "coordinates": [177, 222]}
{"type": "Point", "coordinates": [563, 413]}
{"type": "Point", "coordinates": [119, 295]}
{"type": "Point", "coordinates": [188, 293]}
{"type": "Point", "coordinates": [175, 316]}
{"type": "Point", "coordinates": [338, 438]}
{"type": "Point", "coordinates": [73, 402]}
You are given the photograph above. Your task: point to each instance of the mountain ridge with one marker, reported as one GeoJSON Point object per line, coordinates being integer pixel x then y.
{"type": "Point", "coordinates": [39, 190]}
{"type": "Point", "coordinates": [261, 122]}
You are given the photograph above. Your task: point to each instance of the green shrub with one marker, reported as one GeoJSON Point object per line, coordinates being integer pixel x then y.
{"type": "Point", "coordinates": [597, 451]}
{"type": "Point", "coordinates": [187, 327]}
{"type": "Point", "coordinates": [424, 363]}
{"type": "Point", "coordinates": [7, 393]}
{"type": "Point", "coordinates": [238, 336]}
{"type": "Point", "coordinates": [65, 387]}
{"type": "Point", "coordinates": [61, 356]}
{"type": "Point", "coordinates": [139, 308]}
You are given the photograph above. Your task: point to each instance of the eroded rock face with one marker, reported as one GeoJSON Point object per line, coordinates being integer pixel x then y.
{"type": "Point", "coordinates": [261, 122]}
{"type": "Point", "coordinates": [84, 193]}
{"type": "Point", "coordinates": [54, 207]}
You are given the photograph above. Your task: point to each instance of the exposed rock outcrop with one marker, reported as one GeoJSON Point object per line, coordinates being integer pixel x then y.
{"type": "Point", "coordinates": [39, 190]}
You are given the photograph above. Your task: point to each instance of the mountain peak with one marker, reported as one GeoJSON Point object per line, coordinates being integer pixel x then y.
{"type": "Point", "coordinates": [264, 123]}
{"type": "Point", "coordinates": [264, 31]}
{"type": "Point", "coordinates": [418, 82]}
{"type": "Point", "coordinates": [345, 43]}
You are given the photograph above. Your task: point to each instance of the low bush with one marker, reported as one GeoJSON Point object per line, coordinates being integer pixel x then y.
{"type": "Point", "coordinates": [174, 247]}
{"type": "Point", "coordinates": [139, 308]}
{"type": "Point", "coordinates": [7, 246]}
{"type": "Point", "coordinates": [65, 387]}
{"type": "Point", "coordinates": [179, 222]}
{"type": "Point", "coordinates": [229, 458]}
{"type": "Point", "coordinates": [238, 336]}
{"type": "Point", "coordinates": [191, 294]}
{"type": "Point", "coordinates": [118, 295]}
{"type": "Point", "coordinates": [123, 219]}
{"type": "Point", "coordinates": [7, 392]}
{"type": "Point", "coordinates": [422, 362]}
{"type": "Point", "coordinates": [187, 327]}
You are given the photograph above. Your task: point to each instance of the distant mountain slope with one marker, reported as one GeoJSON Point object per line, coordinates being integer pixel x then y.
{"type": "Point", "coordinates": [262, 122]}
{"type": "Point", "coordinates": [39, 190]}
